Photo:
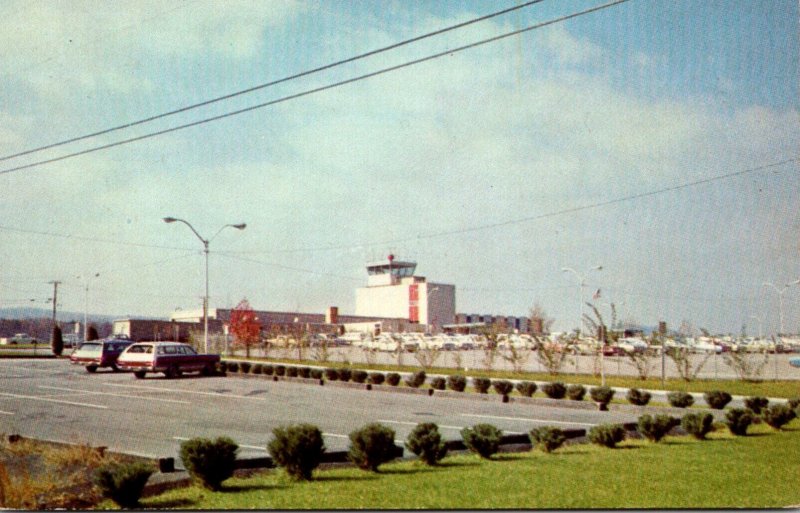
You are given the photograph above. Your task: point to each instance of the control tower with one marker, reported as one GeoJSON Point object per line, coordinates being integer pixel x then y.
{"type": "Point", "coordinates": [394, 291]}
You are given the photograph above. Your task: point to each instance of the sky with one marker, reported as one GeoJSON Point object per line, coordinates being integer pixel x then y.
{"type": "Point", "coordinates": [658, 140]}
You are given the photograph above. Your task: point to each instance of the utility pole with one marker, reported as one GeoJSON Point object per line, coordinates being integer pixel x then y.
{"type": "Point", "coordinates": [55, 298]}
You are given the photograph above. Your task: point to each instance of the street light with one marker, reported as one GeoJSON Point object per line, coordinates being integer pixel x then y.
{"type": "Point", "coordinates": [581, 284]}
{"type": "Point", "coordinates": [240, 226]}
{"type": "Point", "coordinates": [86, 305]}
{"type": "Point", "coordinates": [780, 292]}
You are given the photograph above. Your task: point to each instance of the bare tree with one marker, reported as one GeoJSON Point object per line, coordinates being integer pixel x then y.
{"type": "Point", "coordinates": [747, 366]}
{"type": "Point", "coordinates": [516, 356]}
{"type": "Point", "coordinates": [426, 355]}
{"type": "Point", "coordinates": [553, 355]}
{"type": "Point", "coordinates": [490, 350]}
{"type": "Point", "coordinates": [539, 318]}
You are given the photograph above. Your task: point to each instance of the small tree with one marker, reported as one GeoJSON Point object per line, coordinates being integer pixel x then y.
{"type": "Point", "coordinates": [456, 382]}
{"type": "Point", "coordinates": [738, 420]}
{"type": "Point", "coordinates": [546, 438]}
{"type": "Point", "coordinates": [482, 439]}
{"type": "Point", "coordinates": [554, 355]}
{"type": "Point", "coordinates": [516, 356]}
{"type": "Point", "coordinates": [426, 442]}
{"type": "Point", "coordinates": [608, 435]}
{"type": "Point", "coordinates": [655, 428]}
{"type": "Point", "coordinates": [427, 354]}
{"type": "Point", "coordinates": [747, 366]}
{"type": "Point", "coordinates": [372, 446]}
{"type": "Point", "coordinates": [481, 385]}
{"type": "Point", "coordinates": [526, 388]}
{"type": "Point", "coordinates": [756, 404]}
{"type": "Point", "coordinates": [91, 333]}
{"type": "Point", "coordinates": [576, 392]}
{"type": "Point", "coordinates": [777, 415]}
{"type": "Point", "coordinates": [298, 449]}
{"type": "Point", "coordinates": [602, 396]}
{"type": "Point", "coordinates": [245, 326]}
{"type": "Point", "coordinates": [502, 386]}
{"type": "Point", "coordinates": [57, 341]}
{"type": "Point", "coordinates": [210, 462]}
{"type": "Point", "coordinates": [555, 390]}
{"type": "Point", "coordinates": [638, 397]}
{"type": "Point", "coordinates": [680, 399]}
{"type": "Point", "coordinates": [698, 424]}
{"type": "Point", "coordinates": [416, 380]}
{"type": "Point", "coordinates": [717, 399]}
{"type": "Point", "coordinates": [123, 483]}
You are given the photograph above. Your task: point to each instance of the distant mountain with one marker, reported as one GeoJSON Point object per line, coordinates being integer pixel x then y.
{"type": "Point", "coordinates": [39, 313]}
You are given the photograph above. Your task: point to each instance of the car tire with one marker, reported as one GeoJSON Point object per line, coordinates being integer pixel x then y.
{"type": "Point", "coordinates": [139, 374]}
{"type": "Point", "coordinates": [172, 372]}
{"type": "Point", "coordinates": [114, 367]}
{"type": "Point", "coordinates": [208, 370]}
{"type": "Point", "coordinates": [91, 368]}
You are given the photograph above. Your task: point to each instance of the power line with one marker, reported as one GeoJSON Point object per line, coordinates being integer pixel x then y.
{"type": "Point", "coordinates": [288, 268]}
{"type": "Point", "coordinates": [317, 89]}
{"type": "Point", "coordinates": [90, 239]}
{"type": "Point", "coordinates": [274, 82]}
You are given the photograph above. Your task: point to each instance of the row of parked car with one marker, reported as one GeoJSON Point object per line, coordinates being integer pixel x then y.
{"type": "Point", "coordinates": [170, 358]}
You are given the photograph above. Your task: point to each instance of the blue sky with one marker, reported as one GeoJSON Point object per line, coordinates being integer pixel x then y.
{"type": "Point", "coordinates": [481, 165]}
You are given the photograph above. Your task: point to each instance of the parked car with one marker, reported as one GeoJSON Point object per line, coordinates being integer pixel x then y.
{"type": "Point", "coordinates": [794, 362]}
{"type": "Point", "coordinates": [22, 338]}
{"type": "Point", "coordinates": [99, 353]}
{"type": "Point", "coordinates": [171, 358]}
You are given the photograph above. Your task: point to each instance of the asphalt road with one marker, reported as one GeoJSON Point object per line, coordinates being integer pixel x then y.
{"type": "Point", "coordinates": [54, 400]}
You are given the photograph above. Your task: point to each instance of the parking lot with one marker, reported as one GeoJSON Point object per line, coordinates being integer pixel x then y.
{"type": "Point", "coordinates": [53, 400]}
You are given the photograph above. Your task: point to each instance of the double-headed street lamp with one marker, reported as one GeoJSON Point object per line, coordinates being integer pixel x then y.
{"type": "Point", "coordinates": [581, 285]}
{"type": "Point", "coordinates": [781, 292]}
{"type": "Point", "coordinates": [240, 226]}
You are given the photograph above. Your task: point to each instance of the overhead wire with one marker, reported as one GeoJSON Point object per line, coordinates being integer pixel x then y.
{"type": "Point", "coordinates": [315, 90]}
{"type": "Point", "coordinates": [273, 82]}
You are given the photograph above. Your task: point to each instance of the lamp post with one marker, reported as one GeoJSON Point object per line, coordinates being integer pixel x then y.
{"type": "Point", "coordinates": [581, 284]}
{"type": "Point", "coordinates": [240, 226]}
{"type": "Point", "coordinates": [781, 292]}
{"type": "Point", "coordinates": [86, 305]}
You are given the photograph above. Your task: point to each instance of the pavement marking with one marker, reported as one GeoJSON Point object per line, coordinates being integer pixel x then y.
{"type": "Point", "coordinates": [528, 420]}
{"type": "Point", "coordinates": [127, 396]}
{"type": "Point", "coordinates": [6, 412]}
{"type": "Point", "coordinates": [334, 435]}
{"type": "Point", "coordinates": [257, 448]}
{"type": "Point", "coordinates": [196, 392]}
{"type": "Point", "coordinates": [416, 423]}
{"type": "Point", "coordinates": [38, 398]}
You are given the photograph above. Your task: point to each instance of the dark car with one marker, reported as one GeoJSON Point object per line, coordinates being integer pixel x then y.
{"type": "Point", "coordinates": [99, 353]}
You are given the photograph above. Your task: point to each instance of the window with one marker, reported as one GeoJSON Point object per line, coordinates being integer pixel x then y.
{"type": "Point", "coordinates": [137, 349]}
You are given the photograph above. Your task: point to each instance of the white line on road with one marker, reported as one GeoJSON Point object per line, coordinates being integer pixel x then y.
{"type": "Point", "coordinates": [36, 398]}
{"type": "Point", "coordinates": [127, 396]}
{"type": "Point", "coordinates": [255, 447]}
{"type": "Point", "coordinates": [195, 392]}
{"type": "Point", "coordinates": [334, 435]}
{"type": "Point", "coordinates": [415, 423]}
{"type": "Point", "coordinates": [6, 412]}
{"type": "Point", "coordinates": [546, 421]}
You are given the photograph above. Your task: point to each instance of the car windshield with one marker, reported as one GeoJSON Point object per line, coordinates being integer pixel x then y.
{"type": "Point", "coordinates": [91, 348]}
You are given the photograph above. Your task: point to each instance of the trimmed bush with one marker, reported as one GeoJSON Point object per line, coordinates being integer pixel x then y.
{"type": "Point", "coordinates": [698, 424]}
{"type": "Point", "coordinates": [345, 374]}
{"type": "Point", "coordinates": [298, 449]}
{"type": "Point", "coordinates": [416, 380]}
{"type": "Point", "coordinates": [233, 366]}
{"type": "Point", "coordinates": [638, 397]}
{"type": "Point", "coordinates": [359, 376]}
{"type": "Point", "coordinates": [756, 404]}
{"type": "Point", "coordinates": [717, 399]}
{"type": "Point", "coordinates": [601, 395]}
{"type": "Point", "coordinates": [607, 435]}
{"type": "Point", "coordinates": [654, 428]}
{"type": "Point", "coordinates": [210, 462]}
{"type": "Point", "coordinates": [331, 374]}
{"type": "Point", "coordinates": [680, 399]}
{"type": "Point", "coordinates": [123, 483]}
{"type": "Point", "coordinates": [256, 368]}
{"type": "Point", "coordinates": [777, 415]}
{"type": "Point", "coordinates": [547, 438]}
{"type": "Point", "coordinates": [502, 386]}
{"type": "Point", "coordinates": [304, 372]}
{"type": "Point", "coordinates": [555, 390]}
{"type": "Point", "coordinates": [372, 446]}
{"type": "Point", "coordinates": [291, 372]}
{"type": "Point", "coordinates": [794, 405]}
{"type": "Point", "coordinates": [526, 388]}
{"type": "Point", "coordinates": [576, 392]}
{"type": "Point", "coordinates": [267, 370]}
{"type": "Point", "coordinates": [280, 370]}
{"type": "Point", "coordinates": [316, 373]}
{"type": "Point", "coordinates": [482, 439]}
{"type": "Point", "coordinates": [244, 367]}
{"type": "Point", "coordinates": [438, 383]}
{"type": "Point", "coordinates": [738, 420]}
{"type": "Point", "coordinates": [426, 442]}
{"type": "Point", "coordinates": [393, 379]}
{"type": "Point", "coordinates": [456, 382]}
{"type": "Point", "coordinates": [377, 378]}
{"type": "Point", "coordinates": [481, 385]}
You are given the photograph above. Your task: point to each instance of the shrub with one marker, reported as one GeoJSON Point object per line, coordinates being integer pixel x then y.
{"type": "Point", "coordinates": [345, 374]}
{"type": "Point", "coordinates": [359, 376]}
{"type": "Point", "coordinates": [304, 372]}
{"type": "Point", "coordinates": [256, 368]}
{"type": "Point", "coordinates": [717, 399]}
{"type": "Point", "coordinates": [291, 372]}
{"type": "Point", "coordinates": [371, 446]}
{"type": "Point", "coordinates": [482, 439]}
{"type": "Point", "coordinates": [298, 449]}
{"type": "Point", "coordinates": [698, 424]}
{"type": "Point", "coordinates": [680, 399]}
{"type": "Point", "coordinates": [608, 435]}
{"type": "Point", "coordinates": [316, 373]}
{"type": "Point", "coordinates": [638, 397]}
{"type": "Point", "coordinates": [210, 462]}
{"type": "Point", "coordinates": [601, 395]}
{"type": "Point", "coordinates": [502, 386]}
{"type": "Point", "coordinates": [481, 385]}
{"type": "Point", "coordinates": [416, 380]}
{"type": "Point", "coordinates": [57, 341]}
{"type": "Point", "coordinates": [244, 367]}
{"type": "Point", "coordinates": [123, 483]}
{"type": "Point", "coordinates": [756, 404]}
{"type": "Point", "coordinates": [233, 366]}
{"type": "Point", "coordinates": [456, 382]}
{"type": "Point", "coordinates": [547, 438]}
{"type": "Point", "coordinates": [426, 442]}
{"type": "Point", "coordinates": [393, 379]}
{"type": "Point", "coordinates": [777, 415]}
{"type": "Point", "coordinates": [526, 388]}
{"type": "Point", "coordinates": [332, 374]}
{"type": "Point", "coordinates": [280, 370]}
{"type": "Point", "coordinates": [438, 383]}
{"type": "Point", "coordinates": [555, 390]}
{"type": "Point", "coordinates": [268, 370]}
{"type": "Point", "coordinates": [794, 405]}
{"type": "Point", "coordinates": [377, 378]}
{"type": "Point", "coordinates": [738, 420]}
{"type": "Point", "coordinates": [576, 392]}
{"type": "Point", "coordinates": [655, 428]}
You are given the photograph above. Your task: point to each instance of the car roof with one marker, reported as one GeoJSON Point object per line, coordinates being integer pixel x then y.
{"type": "Point", "coordinates": [162, 343]}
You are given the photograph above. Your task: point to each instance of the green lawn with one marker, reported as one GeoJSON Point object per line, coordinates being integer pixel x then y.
{"type": "Point", "coordinates": [757, 471]}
